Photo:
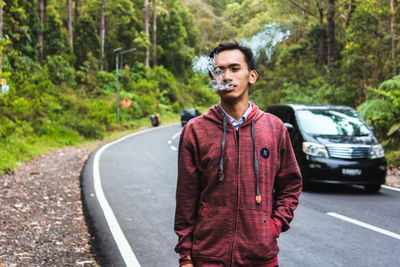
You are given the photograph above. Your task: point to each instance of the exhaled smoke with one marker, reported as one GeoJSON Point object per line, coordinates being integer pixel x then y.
{"type": "Point", "coordinates": [205, 64]}
{"type": "Point", "coordinates": [265, 40]}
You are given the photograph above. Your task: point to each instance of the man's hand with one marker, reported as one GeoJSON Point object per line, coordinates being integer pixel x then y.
{"type": "Point", "coordinates": [187, 265]}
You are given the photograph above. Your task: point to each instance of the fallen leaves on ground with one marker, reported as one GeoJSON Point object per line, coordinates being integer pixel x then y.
{"type": "Point", "coordinates": [41, 217]}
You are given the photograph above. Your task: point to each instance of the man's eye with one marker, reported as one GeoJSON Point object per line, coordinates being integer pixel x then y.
{"type": "Point", "coordinates": [218, 71]}
{"type": "Point", "coordinates": [235, 69]}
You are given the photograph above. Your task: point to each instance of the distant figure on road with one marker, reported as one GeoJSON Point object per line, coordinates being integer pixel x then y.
{"type": "Point", "coordinates": [155, 120]}
{"type": "Point", "coordinates": [238, 179]}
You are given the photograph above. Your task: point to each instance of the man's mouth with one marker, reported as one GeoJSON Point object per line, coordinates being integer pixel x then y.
{"type": "Point", "coordinates": [228, 87]}
{"type": "Point", "coordinates": [218, 86]}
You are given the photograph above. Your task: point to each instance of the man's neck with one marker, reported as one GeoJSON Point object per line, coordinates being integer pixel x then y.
{"type": "Point", "coordinates": [235, 109]}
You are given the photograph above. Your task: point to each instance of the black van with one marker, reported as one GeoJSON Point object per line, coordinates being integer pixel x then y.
{"type": "Point", "coordinates": [187, 114]}
{"type": "Point", "coordinates": [333, 144]}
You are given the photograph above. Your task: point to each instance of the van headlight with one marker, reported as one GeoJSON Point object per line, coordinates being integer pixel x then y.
{"type": "Point", "coordinates": [314, 149]}
{"type": "Point", "coordinates": [377, 152]}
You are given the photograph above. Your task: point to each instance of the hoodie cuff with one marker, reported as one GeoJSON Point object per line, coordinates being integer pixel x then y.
{"type": "Point", "coordinates": [185, 257]}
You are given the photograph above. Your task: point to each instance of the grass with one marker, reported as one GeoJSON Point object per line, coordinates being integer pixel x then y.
{"type": "Point", "coordinates": [17, 149]}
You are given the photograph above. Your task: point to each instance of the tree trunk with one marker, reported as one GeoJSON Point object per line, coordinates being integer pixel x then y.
{"type": "Point", "coordinates": [330, 32]}
{"type": "Point", "coordinates": [1, 33]}
{"type": "Point", "coordinates": [1, 20]}
{"type": "Point", "coordinates": [376, 65]}
{"type": "Point", "coordinates": [393, 32]}
{"type": "Point", "coordinates": [321, 39]}
{"type": "Point", "coordinates": [102, 32]}
{"type": "Point", "coordinates": [154, 33]}
{"type": "Point", "coordinates": [146, 30]}
{"type": "Point", "coordinates": [69, 22]}
{"type": "Point", "coordinates": [76, 8]}
{"type": "Point", "coordinates": [41, 19]}
{"type": "Point", "coordinates": [351, 8]}
{"type": "Point", "coordinates": [365, 86]}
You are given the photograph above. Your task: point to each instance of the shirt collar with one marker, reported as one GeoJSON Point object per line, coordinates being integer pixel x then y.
{"type": "Point", "coordinates": [242, 119]}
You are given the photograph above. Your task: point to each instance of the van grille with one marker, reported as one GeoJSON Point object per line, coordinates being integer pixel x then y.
{"type": "Point", "coordinates": [348, 152]}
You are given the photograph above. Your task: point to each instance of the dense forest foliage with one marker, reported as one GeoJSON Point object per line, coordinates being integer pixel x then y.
{"type": "Point", "coordinates": [59, 60]}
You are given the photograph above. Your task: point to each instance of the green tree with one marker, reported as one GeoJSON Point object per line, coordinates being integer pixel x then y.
{"type": "Point", "coordinates": [177, 40]}
{"type": "Point", "coordinates": [21, 25]}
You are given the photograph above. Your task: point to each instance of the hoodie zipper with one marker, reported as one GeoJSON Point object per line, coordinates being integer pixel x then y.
{"type": "Point", "coordinates": [237, 136]}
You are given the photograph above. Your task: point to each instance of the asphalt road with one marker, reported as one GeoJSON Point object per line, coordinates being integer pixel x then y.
{"type": "Point", "coordinates": [138, 176]}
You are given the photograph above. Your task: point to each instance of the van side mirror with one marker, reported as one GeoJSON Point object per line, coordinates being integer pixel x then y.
{"type": "Point", "coordinates": [289, 127]}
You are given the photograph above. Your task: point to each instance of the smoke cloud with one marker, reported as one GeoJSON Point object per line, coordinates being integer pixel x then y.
{"type": "Point", "coordinates": [266, 40]}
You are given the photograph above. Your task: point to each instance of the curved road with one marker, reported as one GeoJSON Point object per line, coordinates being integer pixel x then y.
{"type": "Point", "coordinates": [333, 226]}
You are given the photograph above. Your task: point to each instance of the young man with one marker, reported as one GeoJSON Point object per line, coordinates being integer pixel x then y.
{"type": "Point", "coordinates": [238, 179]}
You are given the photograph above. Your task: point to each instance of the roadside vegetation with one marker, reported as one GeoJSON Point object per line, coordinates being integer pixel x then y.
{"type": "Point", "coordinates": [64, 95]}
{"type": "Point", "coordinates": [59, 60]}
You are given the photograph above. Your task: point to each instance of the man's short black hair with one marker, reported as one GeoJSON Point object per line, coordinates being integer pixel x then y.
{"type": "Point", "coordinates": [232, 45]}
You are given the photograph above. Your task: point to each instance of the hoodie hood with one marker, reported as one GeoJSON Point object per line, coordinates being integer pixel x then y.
{"type": "Point", "coordinates": [216, 115]}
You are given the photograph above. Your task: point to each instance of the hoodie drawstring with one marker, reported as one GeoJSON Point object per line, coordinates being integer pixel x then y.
{"type": "Point", "coordinates": [221, 161]}
{"type": "Point", "coordinates": [253, 137]}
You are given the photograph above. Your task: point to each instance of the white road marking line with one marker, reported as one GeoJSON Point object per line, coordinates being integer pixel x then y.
{"type": "Point", "coordinates": [390, 188]}
{"type": "Point", "coordinates": [365, 225]}
{"type": "Point", "coordinates": [126, 251]}
{"type": "Point", "coordinates": [169, 142]}
{"type": "Point", "coordinates": [123, 245]}
{"type": "Point", "coordinates": [173, 148]}
{"type": "Point", "coordinates": [176, 135]}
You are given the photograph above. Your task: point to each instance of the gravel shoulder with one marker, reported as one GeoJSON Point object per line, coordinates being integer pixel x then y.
{"type": "Point", "coordinates": [41, 216]}
{"type": "Point", "coordinates": [42, 221]}
{"type": "Point", "coordinates": [393, 177]}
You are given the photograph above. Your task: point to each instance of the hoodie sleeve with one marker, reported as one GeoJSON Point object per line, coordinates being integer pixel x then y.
{"type": "Point", "coordinates": [288, 184]}
{"type": "Point", "coordinates": [187, 194]}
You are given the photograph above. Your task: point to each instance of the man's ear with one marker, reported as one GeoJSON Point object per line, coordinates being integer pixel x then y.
{"type": "Point", "coordinates": [253, 76]}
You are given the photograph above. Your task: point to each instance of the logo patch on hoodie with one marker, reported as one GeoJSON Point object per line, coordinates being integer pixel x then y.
{"type": "Point", "coordinates": [264, 152]}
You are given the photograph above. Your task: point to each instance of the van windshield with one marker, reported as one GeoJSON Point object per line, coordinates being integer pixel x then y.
{"type": "Point", "coordinates": [332, 122]}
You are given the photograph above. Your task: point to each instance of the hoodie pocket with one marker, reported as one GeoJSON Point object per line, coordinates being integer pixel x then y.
{"type": "Point", "coordinates": [274, 228]}
{"type": "Point", "coordinates": [213, 232]}
{"type": "Point", "coordinates": [256, 236]}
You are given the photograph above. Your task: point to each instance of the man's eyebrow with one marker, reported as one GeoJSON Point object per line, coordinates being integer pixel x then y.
{"type": "Point", "coordinates": [229, 66]}
{"type": "Point", "coordinates": [234, 65]}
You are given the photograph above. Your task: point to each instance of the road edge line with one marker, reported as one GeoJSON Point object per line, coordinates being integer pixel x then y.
{"type": "Point", "coordinates": [365, 225]}
{"type": "Point", "coordinates": [390, 188]}
{"type": "Point", "coordinates": [125, 249]}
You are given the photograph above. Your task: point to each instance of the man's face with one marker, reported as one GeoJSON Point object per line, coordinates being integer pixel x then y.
{"type": "Point", "coordinates": [231, 70]}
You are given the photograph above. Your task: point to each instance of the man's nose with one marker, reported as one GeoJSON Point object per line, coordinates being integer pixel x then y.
{"type": "Point", "coordinates": [227, 75]}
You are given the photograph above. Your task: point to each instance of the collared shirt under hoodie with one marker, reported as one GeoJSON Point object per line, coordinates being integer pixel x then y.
{"type": "Point", "coordinates": [242, 119]}
{"type": "Point", "coordinates": [234, 219]}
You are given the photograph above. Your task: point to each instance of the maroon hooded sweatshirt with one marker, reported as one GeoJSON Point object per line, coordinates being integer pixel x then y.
{"type": "Point", "coordinates": [236, 190]}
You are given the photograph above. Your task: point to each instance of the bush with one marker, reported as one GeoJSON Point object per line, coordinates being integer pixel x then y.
{"type": "Point", "coordinates": [90, 129]}
{"type": "Point", "coordinates": [60, 71]}
{"type": "Point", "coordinates": [176, 107]}
{"type": "Point", "coordinates": [53, 131]}
{"type": "Point", "coordinates": [106, 81]}
{"type": "Point", "coordinates": [379, 114]}
{"type": "Point", "coordinates": [393, 158]}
